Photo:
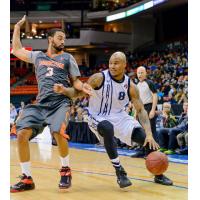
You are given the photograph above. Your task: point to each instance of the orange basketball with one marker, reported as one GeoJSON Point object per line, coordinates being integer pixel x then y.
{"type": "Point", "coordinates": [157, 163]}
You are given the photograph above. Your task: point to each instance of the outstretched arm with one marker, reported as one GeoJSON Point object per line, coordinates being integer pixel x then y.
{"type": "Point", "coordinates": [143, 116]}
{"type": "Point", "coordinates": [69, 92]}
{"type": "Point", "coordinates": [18, 50]}
{"type": "Point", "coordinates": [93, 82]}
{"type": "Point", "coordinates": [80, 86]}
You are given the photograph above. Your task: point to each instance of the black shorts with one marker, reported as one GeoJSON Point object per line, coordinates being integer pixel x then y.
{"type": "Point", "coordinates": [37, 116]}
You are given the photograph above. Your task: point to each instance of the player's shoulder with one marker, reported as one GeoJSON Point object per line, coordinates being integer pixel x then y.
{"type": "Point", "coordinates": [34, 56]}
{"type": "Point", "coordinates": [96, 80]}
{"type": "Point", "coordinates": [67, 55]}
{"type": "Point", "coordinates": [127, 78]}
{"type": "Point", "coordinates": [98, 75]}
{"type": "Point", "coordinates": [36, 52]}
{"type": "Point", "coordinates": [132, 84]}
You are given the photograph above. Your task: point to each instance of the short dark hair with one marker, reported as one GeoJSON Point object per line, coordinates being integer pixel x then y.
{"type": "Point", "coordinates": [52, 32]}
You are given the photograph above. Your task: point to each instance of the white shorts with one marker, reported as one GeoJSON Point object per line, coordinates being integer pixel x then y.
{"type": "Point", "coordinates": [123, 125]}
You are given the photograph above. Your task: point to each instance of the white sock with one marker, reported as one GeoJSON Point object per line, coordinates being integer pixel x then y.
{"type": "Point", "coordinates": [25, 167]}
{"type": "Point", "coordinates": [116, 162]}
{"type": "Point", "coordinates": [64, 161]}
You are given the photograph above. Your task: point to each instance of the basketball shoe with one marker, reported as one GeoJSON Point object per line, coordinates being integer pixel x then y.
{"type": "Point", "coordinates": [122, 178]}
{"type": "Point", "coordinates": [66, 177]}
{"type": "Point", "coordinates": [26, 183]}
{"type": "Point", "coordinates": [162, 179]}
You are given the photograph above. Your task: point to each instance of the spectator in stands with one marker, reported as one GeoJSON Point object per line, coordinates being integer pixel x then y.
{"type": "Point", "coordinates": [172, 93]}
{"type": "Point", "coordinates": [72, 113]}
{"type": "Point", "coordinates": [79, 116]}
{"type": "Point", "coordinates": [182, 139]}
{"type": "Point", "coordinates": [179, 95]}
{"type": "Point", "coordinates": [167, 136]}
{"type": "Point", "coordinates": [166, 88]}
{"type": "Point", "coordinates": [184, 96]}
{"type": "Point", "coordinates": [13, 114]}
{"type": "Point", "coordinates": [165, 117]}
{"type": "Point", "coordinates": [21, 107]}
{"type": "Point", "coordinates": [13, 130]}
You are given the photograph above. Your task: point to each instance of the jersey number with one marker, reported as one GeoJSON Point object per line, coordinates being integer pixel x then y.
{"type": "Point", "coordinates": [49, 71]}
{"type": "Point", "coordinates": [121, 95]}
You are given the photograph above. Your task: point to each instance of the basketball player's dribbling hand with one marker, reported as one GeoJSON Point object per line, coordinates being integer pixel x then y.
{"type": "Point", "coordinates": [151, 142]}
{"type": "Point", "coordinates": [21, 22]}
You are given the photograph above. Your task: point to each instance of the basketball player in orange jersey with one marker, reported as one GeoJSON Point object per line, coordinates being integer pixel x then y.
{"type": "Point", "coordinates": [112, 91]}
{"type": "Point", "coordinates": [54, 66]}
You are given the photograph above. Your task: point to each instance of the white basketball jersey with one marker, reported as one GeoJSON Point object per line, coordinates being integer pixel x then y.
{"type": "Point", "coordinates": [111, 98]}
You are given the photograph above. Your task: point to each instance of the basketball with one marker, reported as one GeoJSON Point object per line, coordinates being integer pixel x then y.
{"type": "Point", "coordinates": [157, 163]}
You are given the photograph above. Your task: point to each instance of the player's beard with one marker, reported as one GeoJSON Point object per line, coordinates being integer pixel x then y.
{"type": "Point", "coordinates": [58, 48]}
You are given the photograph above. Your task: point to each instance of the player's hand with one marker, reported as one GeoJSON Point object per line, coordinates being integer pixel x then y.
{"type": "Point", "coordinates": [151, 114]}
{"type": "Point", "coordinates": [58, 88]}
{"type": "Point", "coordinates": [21, 22]}
{"type": "Point", "coordinates": [151, 142]}
{"type": "Point", "coordinates": [87, 89]}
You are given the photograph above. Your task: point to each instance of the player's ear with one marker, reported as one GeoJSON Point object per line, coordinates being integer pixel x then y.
{"type": "Point", "coordinates": [125, 65]}
{"type": "Point", "coordinates": [50, 39]}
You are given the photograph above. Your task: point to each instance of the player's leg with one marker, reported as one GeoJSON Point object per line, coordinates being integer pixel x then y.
{"type": "Point", "coordinates": [62, 144]}
{"type": "Point", "coordinates": [28, 126]}
{"type": "Point", "coordinates": [58, 121]}
{"type": "Point", "coordinates": [65, 171]}
{"type": "Point", "coordinates": [138, 135]}
{"type": "Point", "coordinates": [106, 130]}
{"type": "Point", "coordinates": [23, 137]}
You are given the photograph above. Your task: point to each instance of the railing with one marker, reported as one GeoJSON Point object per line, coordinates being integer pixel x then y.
{"type": "Point", "coordinates": [25, 89]}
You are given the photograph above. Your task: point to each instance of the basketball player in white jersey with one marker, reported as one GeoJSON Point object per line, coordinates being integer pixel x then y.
{"type": "Point", "coordinates": [107, 117]}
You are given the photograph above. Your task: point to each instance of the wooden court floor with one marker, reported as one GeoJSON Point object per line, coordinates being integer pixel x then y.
{"type": "Point", "coordinates": [93, 177]}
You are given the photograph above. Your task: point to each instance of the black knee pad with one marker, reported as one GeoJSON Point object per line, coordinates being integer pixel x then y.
{"type": "Point", "coordinates": [105, 128]}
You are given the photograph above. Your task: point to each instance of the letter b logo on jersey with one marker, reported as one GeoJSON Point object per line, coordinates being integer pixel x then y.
{"type": "Point", "coordinates": [121, 95]}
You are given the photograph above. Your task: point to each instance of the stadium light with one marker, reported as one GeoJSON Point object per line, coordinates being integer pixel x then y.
{"type": "Point", "coordinates": [155, 2]}
{"type": "Point", "coordinates": [148, 5]}
{"type": "Point", "coordinates": [115, 16]}
{"type": "Point", "coordinates": [135, 10]}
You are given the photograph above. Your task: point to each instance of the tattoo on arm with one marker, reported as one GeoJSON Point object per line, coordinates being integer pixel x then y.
{"type": "Point", "coordinates": [95, 80]}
